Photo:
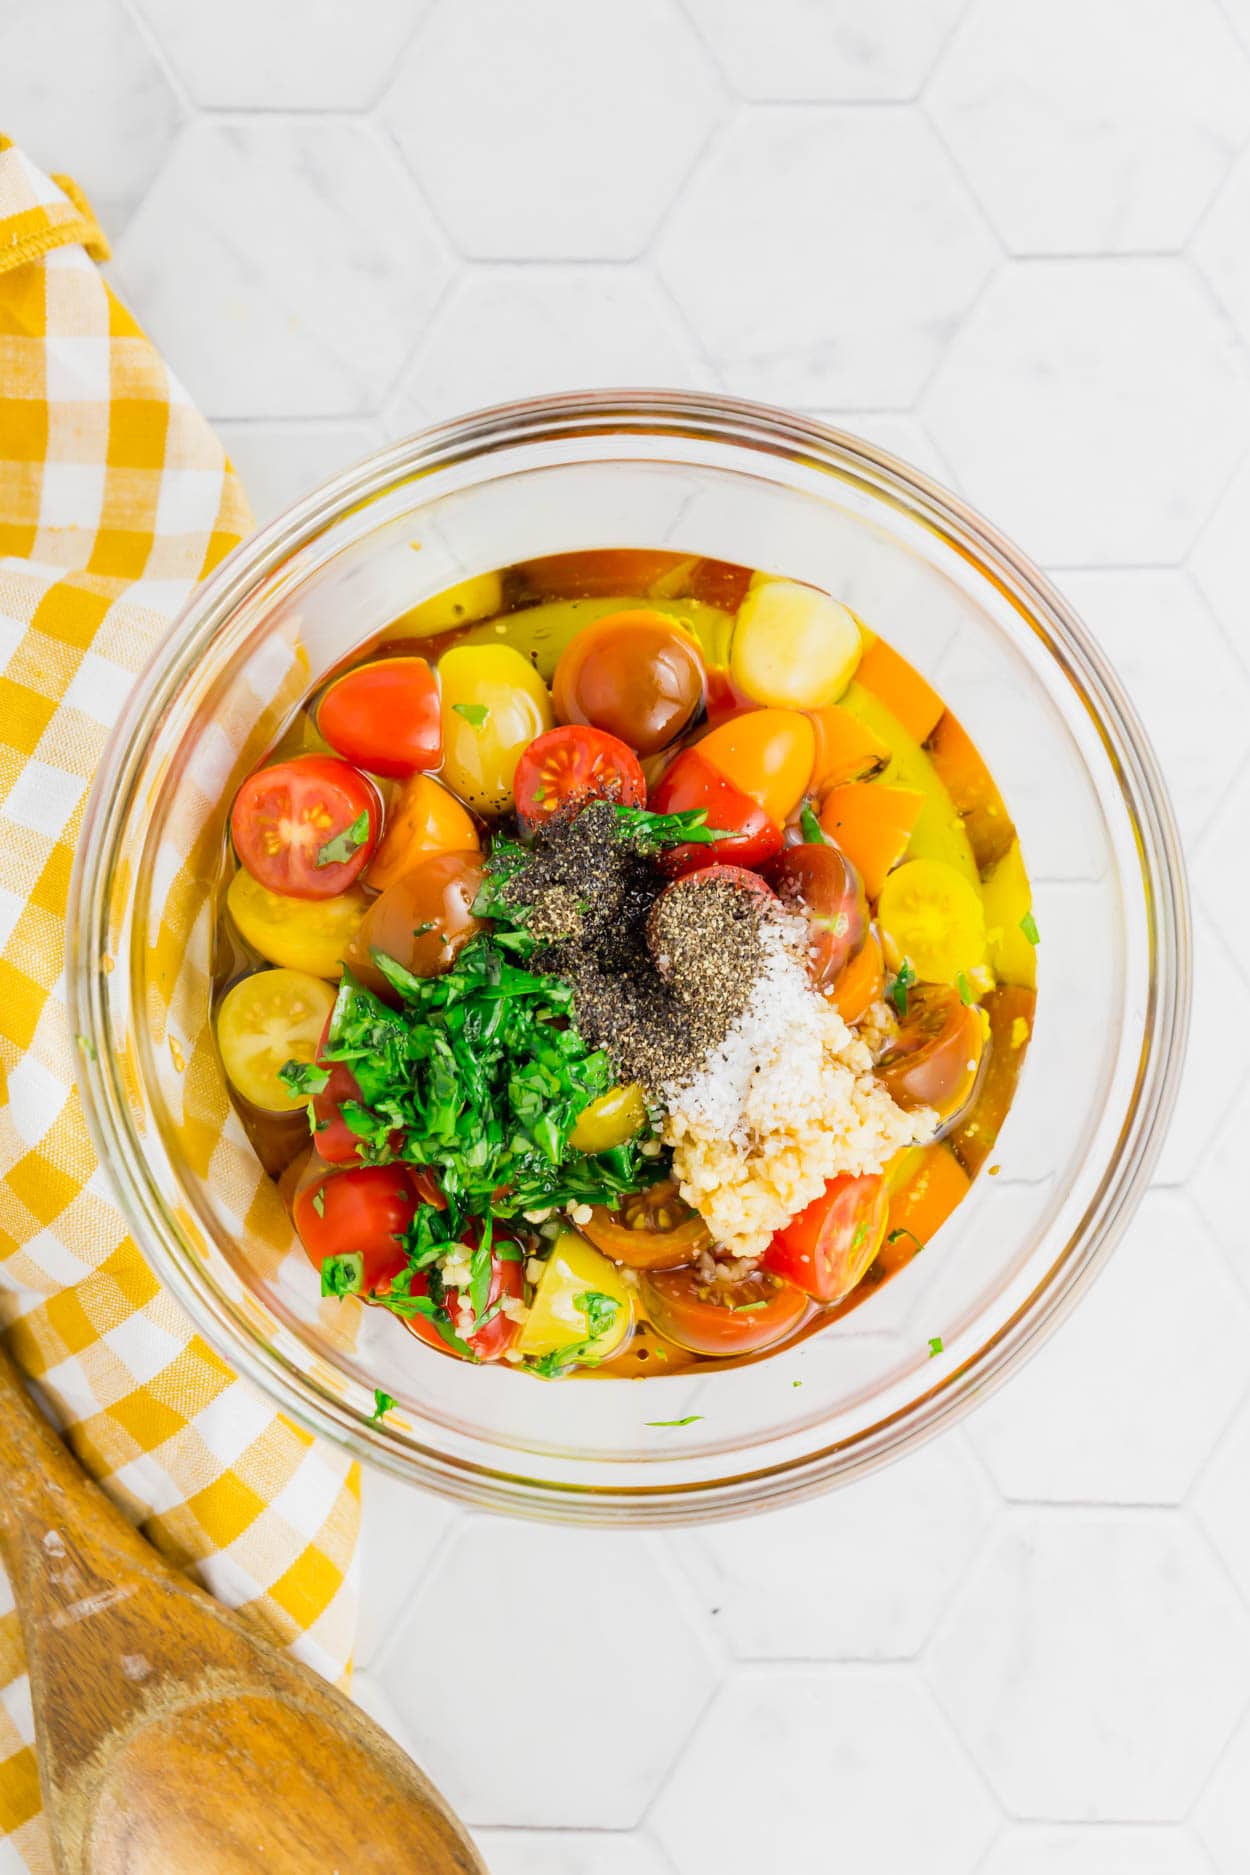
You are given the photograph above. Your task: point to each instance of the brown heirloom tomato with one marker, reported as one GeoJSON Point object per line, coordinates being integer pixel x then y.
{"type": "Point", "coordinates": [822, 882]}
{"type": "Point", "coordinates": [422, 921]}
{"type": "Point", "coordinates": [722, 1318]}
{"type": "Point", "coordinates": [636, 674]}
{"type": "Point", "coordinates": [937, 1057]}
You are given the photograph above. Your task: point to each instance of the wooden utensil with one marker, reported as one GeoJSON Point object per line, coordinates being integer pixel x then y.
{"type": "Point", "coordinates": [172, 1741]}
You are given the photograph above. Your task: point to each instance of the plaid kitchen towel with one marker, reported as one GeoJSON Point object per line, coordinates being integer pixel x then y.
{"type": "Point", "coordinates": [115, 498]}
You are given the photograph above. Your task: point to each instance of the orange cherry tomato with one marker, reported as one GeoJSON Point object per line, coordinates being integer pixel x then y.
{"type": "Point", "coordinates": [491, 1343]}
{"type": "Point", "coordinates": [385, 716]}
{"type": "Point", "coordinates": [937, 1057]}
{"type": "Point", "coordinates": [365, 1212]}
{"type": "Point", "coordinates": [575, 763]}
{"type": "Point", "coordinates": [820, 881]}
{"type": "Point", "coordinates": [828, 1246]}
{"type": "Point", "coordinates": [690, 783]}
{"type": "Point", "coordinates": [861, 983]}
{"type": "Point", "coordinates": [722, 1318]}
{"type": "Point", "coordinates": [766, 753]}
{"type": "Point", "coordinates": [638, 675]}
{"type": "Point", "coordinates": [653, 1229]}
{"type": "Point", "coordinates": [306, 828]}
{"type": "Point", "coordinates": [422, 921]}
{"type": "Point", "coordinates": [424, 818]}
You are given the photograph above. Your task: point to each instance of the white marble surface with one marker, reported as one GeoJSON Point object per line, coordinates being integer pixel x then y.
{"type": "Point", "coordinates": [1011, 243]}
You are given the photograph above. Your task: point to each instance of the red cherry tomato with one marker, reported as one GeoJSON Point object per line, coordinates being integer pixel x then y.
{"type": "Point", "coordinates": [307, 827]}
{"type": "Point", "coordinates": [507, 1278]}
{"type": "Point", "coordinates": [828, 1246]}
{"type": "Point", "coordinates": [821, 881]}
{"type": "Point", "coordinates": [365, 1210]}
{"type": "Point", "coordinates": [721, 1318]}
{"type": "Point", "coordinates": [575, 763]}
{"type": "Point", "coordinates": [690, 782]}
{"type": "Point", "coordinates": [385, 716]}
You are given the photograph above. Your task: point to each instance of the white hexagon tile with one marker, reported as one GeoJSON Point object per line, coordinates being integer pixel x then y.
{"type": "Point", "coordinates": [1009, 244]}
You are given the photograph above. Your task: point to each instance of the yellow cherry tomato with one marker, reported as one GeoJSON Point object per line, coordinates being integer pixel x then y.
{"type": "Point", "coordinates": [573, 1303]}
{"type": "Point", "coordinates": [930, 914]}
{"type": "Point", "coordinates": [471, 600]}
{"type": "Point", "coordinates": [768, 754]}
{"type": "Point", "coordinates": [423, 818]}
{"type": "Point", "coordinates": [609, 1121]}
{"type": "Point", "coordinates": [793, 646]}
{"type": "Point", "coordinates": [310, 934]}
{"type": "Point", "coordinates": [265, 1021]}
{"type": "Point", "coordinates": [494, 704]}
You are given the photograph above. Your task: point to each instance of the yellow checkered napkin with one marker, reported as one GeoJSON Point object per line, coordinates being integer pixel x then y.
{"type": "Point", "coordinates": [115, 498]}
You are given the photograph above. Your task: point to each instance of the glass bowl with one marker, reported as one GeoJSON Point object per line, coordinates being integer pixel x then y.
{"type": "Point", "coordinates": [739, 482]}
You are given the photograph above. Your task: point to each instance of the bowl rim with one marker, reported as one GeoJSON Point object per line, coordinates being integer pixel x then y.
{"type": "Point", "coordinates": [1039, 605]}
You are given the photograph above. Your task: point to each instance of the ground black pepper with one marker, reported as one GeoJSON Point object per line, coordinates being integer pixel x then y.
{"type": "Point", "coordinates": [660, 969]}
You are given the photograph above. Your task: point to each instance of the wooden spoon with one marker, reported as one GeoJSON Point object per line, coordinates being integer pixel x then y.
{"type": "Point", "coordinates": [172, 1741]}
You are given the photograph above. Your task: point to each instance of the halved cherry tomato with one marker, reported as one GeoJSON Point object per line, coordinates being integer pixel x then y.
{"type": "Point", "coordinates": [691, 782]}
{"type": "Point", "coordinates": [507, 1278]}
{"type": "Point", "coordinates": [937, 1057]}
{"type": "Point", "coordinates": [575, 763]}
{"type": "Point", "coordinates": [637, 674]}
{"type": "Point", "coordinates": [422, 921]}
{"type": "Point", "coordinates": [861, 983]}
{"type": "Point", "coordinates": [385, 716]}
{"type": "Point", "coordinates": [307, 827]}
{"type": "Point", "coordinates": [820, 880]}
{"type": "Point", "coordinates": [766, 753]}
{"type": "Point", "coordinates": [846, 749]}
{"type": "Point", "coordinates": [722, 1318]}
{"type": "Point", "coordinates": [309, 934]}
{"type": "Point", "coordinates": [365, 1212]}
{"type": "Point", "coordinates": [653, 1229]}
{"type": "Point", "coordinates": [263, 1022]}
{"type": "Point", "coordinates": [336, 1142]}
{"type": "Point", "coordinates": [423, 818]}
{"type": "Point", "coordinates": [872, 824]}
{"type": "Point", "coordinates": [828, 1246]}
{"type": "Point", "coordinates": [1010, 1011]}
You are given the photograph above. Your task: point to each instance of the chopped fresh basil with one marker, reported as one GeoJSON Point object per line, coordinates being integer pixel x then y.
{"type": "Point", "coordinates": [303, 1077]}
{"type": "Point", "coordinates": [965, 989]}
{"type": "Point", "coordinates": [748, 1308]}
{"type": "Point", "coordinates": [86, 1046]}
{"type": "Point", "coordinates": [811, 828]}
{"type": "Point", "coordinates": [687, 1421]}
{"type": "Point", "coordinates": [342, 1275]}
{"type": "Point", "coordinates": [897, 991]}
{"type": "Point", "coordinates": [935, 1345]}
{"type": "Point", "coordinates": [338, 851]}
{"type": "Point", "coordinates": [600, 1311]}
{"type": "Point", "coordinates": [1028, 924]}
{"type": "Point", "coordinates": [903, 1231]}
{"type": "Point", "coordinates": [475, 713]}
{"type": "Point", "coordinates": [650, 831]}
{"type": "Point", "coordinates": [382, 1404]}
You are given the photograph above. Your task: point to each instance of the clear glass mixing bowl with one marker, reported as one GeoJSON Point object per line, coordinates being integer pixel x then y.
{"type": "Point", "coordinates": [706, 476]}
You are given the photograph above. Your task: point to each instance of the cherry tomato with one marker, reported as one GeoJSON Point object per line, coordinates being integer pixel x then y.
{"type": "Point", "coordinates": [309, 934]}
{"type": "Point", "coordinates": [362, 1212]}
{"type": "Point", "coordinates": [264, 1021]}
{"type": "Point", "coordinates": [638, 675]}
{"type": "Point", "coordinates": [575, 763]}
{"type": "Point", "coordinates": [422, 921]}
{"type": "Point", "coordinates": [828, 1246]}
{"type": "Point", "coordinates": [494, 704]}
{"type": "Point", "coordinates": [423, 818]}
{"type": "Point", "coordinates": [722, 1318]}
{"type": "Point", "coordinates": [385, 716]}
{"type": "Point", "coordinates": [937, 1057]}
{"type": "Point", "coordinates": [650, 1229]}
{"type": "Point", "coordinates": [861, 983]}
{"type": "Point", "coordinates": [336, 1142]}
{"type": "Point", "coordinates": [507, 1278]}
{"type": "Point", "coordinates": [306, 828]}
{"type": "Point", "coordinates": [766, 753]}
{"type": "Point", "coordinates": [598, 572]}
{"type": "Point", "coordinates": [691, 782]}
{"type": "Point", "coordinates": [822, 882]}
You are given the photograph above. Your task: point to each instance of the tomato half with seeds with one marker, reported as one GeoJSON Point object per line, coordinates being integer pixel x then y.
{"type": "Point", "coordinates": [575, 763]}
{"type": "Point", "coordinates": [722, 1318]}
{"type": "Point", "coordinates": [820, 881]}
{"type": "Point", "coordinates": [937, 1057]}
{"type": "Point", "coordinates": [306, 828]}
{"type": "Point", "coordinates": [652, 1229]}
{"type": "Point", "coordinates": [361, 1212]}
{"type": "Point", "coordinates": [826, 1248]}
{"type": "Point", "coordinates": [690, 782]}
{"type": "Point", "coordinates": [385, 716]}
{"type": "Point", "coordinates": [491, 1343]}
